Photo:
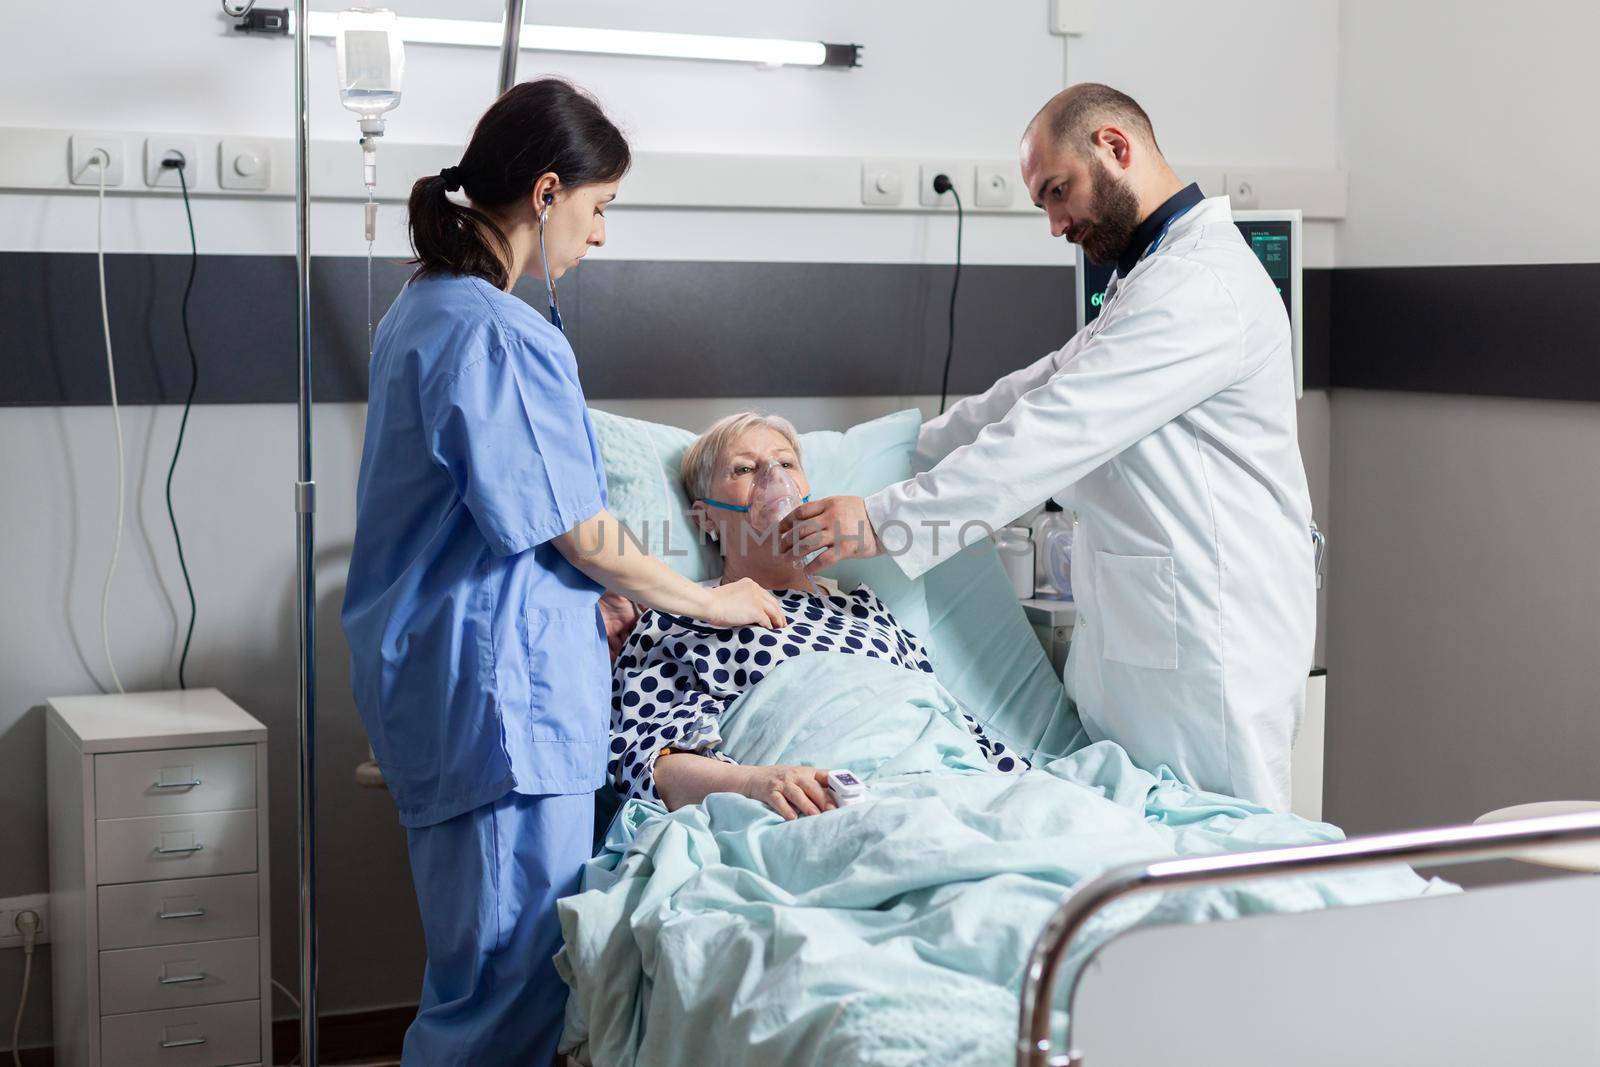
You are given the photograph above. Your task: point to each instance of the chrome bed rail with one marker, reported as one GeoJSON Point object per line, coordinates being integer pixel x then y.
{"type": "Point", "coordinates": [1430, 846]}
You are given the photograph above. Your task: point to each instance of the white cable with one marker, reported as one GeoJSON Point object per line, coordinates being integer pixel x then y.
{"type": "Point", "coordinates": [285, 991]}
{"type": "Point", "coordinates": [292, 1000]}
{"type": "Point", "coordinates": [116, 418]}
{"type": "Point", "coordinates": [27, 924]}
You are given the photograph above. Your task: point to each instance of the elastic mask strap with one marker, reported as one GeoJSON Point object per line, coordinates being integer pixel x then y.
{"type": "Point", "coordinates": [737, 507]}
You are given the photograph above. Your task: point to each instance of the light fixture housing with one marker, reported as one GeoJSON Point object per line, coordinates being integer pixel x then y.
{"type": "Point", "coordinates": [761, 51]}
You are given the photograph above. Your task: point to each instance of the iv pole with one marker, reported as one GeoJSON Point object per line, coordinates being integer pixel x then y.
{"type": "Point", "coordinates": [509, 44]}
{"type": "Point", "coordinates": [305, 489]}
{"type": "Point", "coordinates": [305, 503]}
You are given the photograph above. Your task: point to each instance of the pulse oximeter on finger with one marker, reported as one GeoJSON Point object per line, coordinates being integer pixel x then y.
{"type": "Point", "coordinates": [846, 788]}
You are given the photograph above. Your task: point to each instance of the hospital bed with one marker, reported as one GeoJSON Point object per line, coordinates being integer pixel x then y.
{"type": "Point", "coordinates": [1381, 983]}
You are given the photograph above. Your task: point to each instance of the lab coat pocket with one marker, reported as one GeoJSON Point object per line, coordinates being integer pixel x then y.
{"type": "Point", "coordinates": [1138, 609]}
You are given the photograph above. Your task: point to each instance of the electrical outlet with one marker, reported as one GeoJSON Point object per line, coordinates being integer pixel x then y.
{"type": "Point", "coordinates": [1242, 193]}
{"type": "Point", "coordinates": [996, 185]}
{"type": "Point", "coordinates": [10, 937]}
{"type": "Point", "coordinates": [158, 148]}
{"type": "Point", "coordinates": [960, 177]}
{"type": "Point", "coordinates": [83, 166]}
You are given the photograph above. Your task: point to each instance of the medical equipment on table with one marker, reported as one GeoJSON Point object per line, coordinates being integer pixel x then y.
{"type": "Point", "coordinates": [372, 61]}
{"type": "Point", "coordinates": [846, 788]}
{"type": "Point", "coordinates": [1016, 547]}
{"type": "Point", "coordinates": [1053, 535]}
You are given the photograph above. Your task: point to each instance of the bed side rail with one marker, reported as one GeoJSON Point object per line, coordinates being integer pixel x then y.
{"type": "Point", "coordinates": [1445, 844]}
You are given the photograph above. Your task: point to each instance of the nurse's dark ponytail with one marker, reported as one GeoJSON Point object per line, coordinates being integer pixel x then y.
{"type": "Point", "coordinates": [537, 127]}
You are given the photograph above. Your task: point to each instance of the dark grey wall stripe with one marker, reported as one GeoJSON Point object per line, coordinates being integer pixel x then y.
{"type": "Point", "coordinates": [644, 329]}
{"type": "Point", "coordinates": [1316, 325]}
{"type": "Point", "coordinates": [641, 329]}
{"type": "Point", "coordinates": [1519, 331]}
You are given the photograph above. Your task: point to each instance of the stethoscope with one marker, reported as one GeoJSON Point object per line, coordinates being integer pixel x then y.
{"type": "Point", "coordinates": [550, 286]}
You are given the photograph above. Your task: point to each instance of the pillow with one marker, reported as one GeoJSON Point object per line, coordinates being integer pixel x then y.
{"type": "Point", "coordinates": [646, 495]}
{"type": "Point", "coordinates": [986, 653]}
{"type": "Point", "coordinates": [643, 491]}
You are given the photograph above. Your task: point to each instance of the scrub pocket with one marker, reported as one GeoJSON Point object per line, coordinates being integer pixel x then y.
{"type": "Point", "coordinates": [569, 675]}
{"type": "Point", "coordinates": [1138, 610]}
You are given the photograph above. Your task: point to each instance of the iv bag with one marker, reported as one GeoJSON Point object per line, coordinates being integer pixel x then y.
{"type": "Point", "coordinates": [372, 61]}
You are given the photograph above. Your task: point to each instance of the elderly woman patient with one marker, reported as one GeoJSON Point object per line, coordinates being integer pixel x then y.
{"type": "Point", "coordinates": [674, 677]}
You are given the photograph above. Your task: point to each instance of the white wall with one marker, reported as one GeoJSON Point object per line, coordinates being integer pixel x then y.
{"type": "Point", "coordinates": [938, 79]}
{"type": "Point", "coordinates": [1462, 634]}
{"type": "Point", "coordinates": [1468, 130]}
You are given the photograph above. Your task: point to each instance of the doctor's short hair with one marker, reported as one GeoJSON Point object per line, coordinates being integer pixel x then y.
{"type": "Point", "coordinates": [699, 465]}
{"type": "Point", "coordinates": [1075, 113]}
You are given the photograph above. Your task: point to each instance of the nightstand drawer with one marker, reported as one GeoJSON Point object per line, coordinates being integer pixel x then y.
{"type": "Point", "coordinates": [169, 781]}
{"type": "Point", "coordinates": [140, 914]}
{"type": "Point", "coordinates": [177, 976]}
{"type": "Point", "coordinates": [209, 1036]}
{"type": "Point", "coordinates": [175, 846]}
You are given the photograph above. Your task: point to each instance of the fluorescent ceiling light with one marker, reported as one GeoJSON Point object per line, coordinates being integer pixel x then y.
{"type": "Point", "coordinates": [765, 51]}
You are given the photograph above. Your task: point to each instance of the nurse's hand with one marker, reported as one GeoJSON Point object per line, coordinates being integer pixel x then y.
{"type": "Point", "coordinates": [790, 791]}
{"type": "Point", "coordinates": [837, 525]}
{"type": "Point", "coordinates": [742, 603]}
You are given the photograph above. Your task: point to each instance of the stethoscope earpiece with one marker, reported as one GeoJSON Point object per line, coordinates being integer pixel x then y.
{"type": "Point", "coordinates": [550, 286]}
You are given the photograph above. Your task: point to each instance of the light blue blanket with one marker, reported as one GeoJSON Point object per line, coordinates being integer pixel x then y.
{"type": "Point", "coordinates": [894, 931]}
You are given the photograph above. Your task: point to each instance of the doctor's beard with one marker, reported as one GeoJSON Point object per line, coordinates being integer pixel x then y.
{"type": "Point", "coordinates": [1116, 211]}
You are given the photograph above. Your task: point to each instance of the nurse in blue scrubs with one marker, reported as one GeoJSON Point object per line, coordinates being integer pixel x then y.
{"type": "Point", "coordinates": [482, 548]}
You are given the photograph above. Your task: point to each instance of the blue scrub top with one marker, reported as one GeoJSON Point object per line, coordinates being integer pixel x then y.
{"type": "Point", "coordinates": [478, 656]}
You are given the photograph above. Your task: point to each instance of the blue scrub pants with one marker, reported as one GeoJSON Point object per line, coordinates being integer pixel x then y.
{"type": "Point", "coordinates": [487, 883]}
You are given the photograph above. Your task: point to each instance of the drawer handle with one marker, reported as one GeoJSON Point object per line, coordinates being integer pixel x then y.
{"type": "Point", "coordinates": [175, 785]}
{"type": "Point", "coordinates": [184, 1043]}
{"type": "Point", "coordinates": [193, 913]}
{"type": "Point", "coordinates": [179, 851]}
{"type": "Point", "coordinates": [180, 979]}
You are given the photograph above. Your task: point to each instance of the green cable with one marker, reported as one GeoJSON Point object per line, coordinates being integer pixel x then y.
{"type": "Point", "coordinates": [194, 380]}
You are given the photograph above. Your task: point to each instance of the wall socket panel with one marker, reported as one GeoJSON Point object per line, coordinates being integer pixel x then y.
{"type": "Point", "coordinates": [960, 176]}
{"type": "Point", "coordinates": [158, 148]}
{"type": "Point", "coordinates": [10, 906]}
{"type": "Point", "coordinates": [83, 166]}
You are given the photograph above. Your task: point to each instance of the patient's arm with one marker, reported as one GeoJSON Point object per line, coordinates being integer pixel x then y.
{"type": "Point", "coordinates": [688, 778]}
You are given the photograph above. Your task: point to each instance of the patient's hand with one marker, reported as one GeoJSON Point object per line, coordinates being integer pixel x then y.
{"type": "Point", "coordinates": [790, 791]}
{"type": "Point", "coordinates": [620, 615]}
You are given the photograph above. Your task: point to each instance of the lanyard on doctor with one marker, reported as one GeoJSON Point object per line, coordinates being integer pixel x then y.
{"type": "Point", "coordinates": [1151, 247]}
{"type": "Point", "coordinates": [1165, 226]}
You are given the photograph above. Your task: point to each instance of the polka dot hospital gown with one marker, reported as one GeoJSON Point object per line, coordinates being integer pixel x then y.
{"type": "Point", "coordinates": [674, 677]}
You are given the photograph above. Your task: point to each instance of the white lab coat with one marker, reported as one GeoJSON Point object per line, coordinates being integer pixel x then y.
{"type": "Point", "coordinates": [1168, 425]}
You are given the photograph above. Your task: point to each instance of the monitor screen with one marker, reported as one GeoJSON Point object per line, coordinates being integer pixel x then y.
{"type": "Point", "coordinates": [1270, 239]}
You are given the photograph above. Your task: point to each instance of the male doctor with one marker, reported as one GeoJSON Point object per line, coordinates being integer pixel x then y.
{"type": "Point", "coordinates": [1168, 425]}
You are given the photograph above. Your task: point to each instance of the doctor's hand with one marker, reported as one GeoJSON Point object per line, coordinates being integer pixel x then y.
{"type": "Point", "coordinates": [838, 525]}
{"type": "Point", "coordinates": [742, 603]}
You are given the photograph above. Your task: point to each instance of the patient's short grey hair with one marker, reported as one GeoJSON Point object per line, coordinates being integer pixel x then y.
{"type": "Point", "coordinates": [699, 466]}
